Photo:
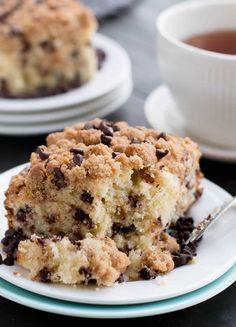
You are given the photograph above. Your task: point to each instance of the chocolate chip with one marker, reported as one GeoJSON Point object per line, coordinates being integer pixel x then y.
{"type": "Point", "coordinates": [5, 241]}
{"type": "Point", "coordinates": [121, 278]}
{"type": "Point", "coordinates": [192, 245]}
{"type": "Point", "coordinates": [161, 153]}
{"type": "Point", "coordinates": [4, 87]}
{"type": "Point", "coordinates": [115, 154]}
{"type": "Point", "coordinates": [184, 224]}
{"type": "Point", "coordinates": [147, 274]}
{"type": "Point", "coordinates": [77, 243]}
{"type": "Point", "coordinates": [115, 128]}
{"type": "Point", "coordinates": [173, 233]}
{"type": "Point", "coordinates": [32, 229]}
{"type": "Point", "coordinates": [198, 194]}
{"type": "Point", "coordinates": [163, 136]}
{"type": "Point", "coordinates": [187, 220]}
{"type": "Point", "coordinates": [1, 261]}
{"type": "Point", "coordinates": [10, 232]}
{"type": "Point", "coordinates": [23, 213]}
{"type": "Point", "coordinates": [25, 45]}
{"type": "Point", "coordinates": [133, 199]}
{"type": "Point", "coordinates": [135, 141]}
{"type": "Point", "coordinates": [41, 241]}
{"type": "Point", "coordinates": [86, 197]}
{"type": "Point", "coordinates": [11, 240]}
{"type": "Point", "coordinates": [101, 56]}
{"type": "Point", "coordinates": [12, 245]}
{"type": "Point", "coordinates": [74, 53]}
{"type": "Point", "coordinates": [106, 128]}
{"type": "Point", "coordinates": [58, 179]}
{"type": "Point", "coordinates": [106, 139]}
{"type": "Point", "coordinates": [181, 259]}
{"type": "Point", "coordinates": [51, 219]}
{"type": "Point", "coordinates": [81, 215]}
{"type": "Point", "coordinates": [181, 231]}
{"type": "Point", "coordinates": [84, 218]}
{"type": "Point", "coordinates": [86, 272]}
{"type": "Point", "coordinates": [118, 228]}
{"type": "Point", "coordinates": [189, 250]}
{"type": "Point", "coordinates": [128, 229]}
{"type": "Point", "coordinates": [78, 159]}
{"type": "Point", "coordinates": [43, 154]}
{"type": "Point", "coordinates": [45, 275]}
{"type": "Point", "coordinates": [188, 185]}
{"type": "Point", "coordinates": [9, 260]}
{"type": "Point", "coordinates": [77, 151]}
{"type": "Point", "coordinates": [177, 259]}
{"type": "Point", "coordinates": [47, 45]}
{"type": "Point", "coordinates": [92, 281]}
{"type": "Point", "coordinates": [88, 125]}
{"type": "Point", "coordinates": [185, 235]}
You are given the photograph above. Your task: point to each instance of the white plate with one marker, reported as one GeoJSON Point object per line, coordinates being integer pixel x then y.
{"type": "Point", "coordinates": [113, 72]}
{"type": "Point", "coordinates": [36, 118]}
{"type": "Point", "coordinates": [41, 128]}
{"type": "Point", "coordinates": [66, 308]}
{"type": "Point", "coordinates": [216, 254]}
{"type": "Point", "coordinates": [161, 113]}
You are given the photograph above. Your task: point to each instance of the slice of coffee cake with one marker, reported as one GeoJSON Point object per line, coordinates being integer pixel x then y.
{"type": "Point", "coordinates": [109, 179]}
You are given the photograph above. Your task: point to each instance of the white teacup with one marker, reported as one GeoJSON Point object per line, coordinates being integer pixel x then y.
{"type": "Point", "coordinates": [203, 83]}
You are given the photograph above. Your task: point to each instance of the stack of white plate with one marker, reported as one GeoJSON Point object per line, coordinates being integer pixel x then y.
{"type": "Point", "coordinates": [105, 93]}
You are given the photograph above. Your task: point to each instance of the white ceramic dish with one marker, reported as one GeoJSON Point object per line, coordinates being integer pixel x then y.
{"type": "Point", "coordinates": [32, 300]}
{"type": "Point", "coordinates": [216, 254]}
{"type": "Point", "coordinates": [83, 109]}
{"type": "Point", "coordinates": [202, 82]}
{"type": "Point", "coordinates": [112, 74]}
{"type": "Point", "coordinates": [41, 128]}
{"type": "Point", "coordinates": [161, 113]}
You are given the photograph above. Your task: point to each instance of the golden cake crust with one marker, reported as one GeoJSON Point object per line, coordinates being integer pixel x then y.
{"type": "Point", "coordinates": [28, 17]}
{"type": "Point", "coordinates": [130, 147]}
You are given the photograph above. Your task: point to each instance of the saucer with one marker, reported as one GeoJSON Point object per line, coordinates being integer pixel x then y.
{"type": "Point", "coordinates": [161, 113]}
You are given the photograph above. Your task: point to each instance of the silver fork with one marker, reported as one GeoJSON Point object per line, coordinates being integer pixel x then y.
{"type": "Point", "coordinates": [209, 221]}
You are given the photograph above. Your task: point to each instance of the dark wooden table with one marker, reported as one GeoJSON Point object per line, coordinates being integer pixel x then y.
{"type": "Point", "coordinates": [135, 30]}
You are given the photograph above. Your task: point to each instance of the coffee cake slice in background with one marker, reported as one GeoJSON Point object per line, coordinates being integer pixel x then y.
{"type": "Point", "coordinates": [46, 47]}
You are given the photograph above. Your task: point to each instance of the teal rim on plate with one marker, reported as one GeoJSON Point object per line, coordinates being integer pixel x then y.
{"type": "Point", "coordinates": [43, 303]}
